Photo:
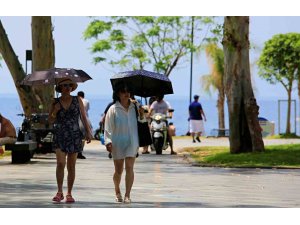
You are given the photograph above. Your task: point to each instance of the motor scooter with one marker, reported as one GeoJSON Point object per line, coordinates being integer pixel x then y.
{"type": "Point", "coordinates": [36, 128]}
{"type": "Point", "coordinates": [159, 132]}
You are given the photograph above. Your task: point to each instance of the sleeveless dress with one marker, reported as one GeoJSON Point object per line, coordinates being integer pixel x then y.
{"type": "Point", "coordinates": [67, 134]}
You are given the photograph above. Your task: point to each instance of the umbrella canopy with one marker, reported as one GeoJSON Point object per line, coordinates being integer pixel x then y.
{"type": "Point", "coordinates": [144, 83]}
{"type": "Point", "coordinates": [53, 75]}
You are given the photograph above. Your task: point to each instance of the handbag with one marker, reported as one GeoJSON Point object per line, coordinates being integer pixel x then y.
{"type": "Point", "coordinates": [143, 131]}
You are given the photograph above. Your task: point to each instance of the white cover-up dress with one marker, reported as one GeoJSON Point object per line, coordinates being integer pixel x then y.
{"type": "Point", "coordinates": [121, 131]}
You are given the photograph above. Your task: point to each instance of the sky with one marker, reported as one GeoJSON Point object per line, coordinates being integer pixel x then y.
{"type": "Point", "coordinates": [71, 50]}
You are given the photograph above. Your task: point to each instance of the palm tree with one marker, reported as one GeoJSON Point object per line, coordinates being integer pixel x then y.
{"type": "Point", "coordinates": [214, 80]}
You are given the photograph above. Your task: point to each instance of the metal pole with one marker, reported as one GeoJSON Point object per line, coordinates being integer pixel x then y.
{"type": "Point", "coordinates": [295, 105]}
{"type": "Point", "coordinates": [278, 117]}
{"type": "Point", "coordinates": [26, 66]}
{"type": "Point", "coordinates": [191, 67]}
{"type": "Point", "coordinates": [28, 58]}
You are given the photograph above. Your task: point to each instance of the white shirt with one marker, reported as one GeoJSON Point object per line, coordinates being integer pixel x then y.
{"type": "Point", "coordinates": [161, 107]}
{"type": "Point", "coordinates": [121, 131]}
{"type": "Point", "coordinates": [86, 105]}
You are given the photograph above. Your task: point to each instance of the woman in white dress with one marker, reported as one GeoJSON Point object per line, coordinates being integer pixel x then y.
{"type": "Point", "coordinates": [121, 138]}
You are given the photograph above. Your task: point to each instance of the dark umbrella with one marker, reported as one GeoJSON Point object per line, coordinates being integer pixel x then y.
{"type": "Point", "coordinates": [51, 76]}
{"type": "Point", "coordinates": [144, 83]}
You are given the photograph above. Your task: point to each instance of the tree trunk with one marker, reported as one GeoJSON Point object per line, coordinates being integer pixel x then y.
{"type": "Point", "coordinates": [43, 56]}
{"type": "Point", "coordinates": [220, 106]}
{"type": "Point", "coordinates": [288, 117]}
{"type": "Point", "coordinates": [32, 99]}
{"type": "Point", "coordinates": [27, 100]}
{"type": "Point", "coordinates": [245, 132]}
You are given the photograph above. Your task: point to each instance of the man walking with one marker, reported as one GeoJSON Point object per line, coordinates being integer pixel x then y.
{"type": "Point", "coordinates": [196, 119]}
{"type": "Point", "coordinates": [86, 105]}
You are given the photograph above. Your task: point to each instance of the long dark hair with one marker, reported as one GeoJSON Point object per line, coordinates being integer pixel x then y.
{"type": "Point", "coordinates": [121, 86]}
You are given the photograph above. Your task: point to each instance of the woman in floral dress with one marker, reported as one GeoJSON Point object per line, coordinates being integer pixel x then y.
{"type": "Point", "coordinates": [65, 112]}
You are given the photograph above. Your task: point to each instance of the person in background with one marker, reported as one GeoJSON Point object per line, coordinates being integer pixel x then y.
{"type": "Point", "coordinates": [147, 115]}
{"type": "Point", "coordinates": [196, 119]}
{"type": "Point", "coordinates": [121, 138]}
{"type": "Point", "coordinates": [86, 105]}
{"type": "Point", "coordinates": [163, 107]}
{"type": "Point", "coordinates": [67, 139]}
{"type": "Point", "coordinates": [7, 132]}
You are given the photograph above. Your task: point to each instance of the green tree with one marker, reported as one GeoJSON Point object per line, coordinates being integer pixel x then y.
{"type": "Point", "coordinates": [215, 80]}
{"type": "Point", "coordinates": [245, 132]}
{"type": "Point", "coordinates": [280, 62]}
{"type": "Point", "coordinates": [31, 98]}
{"type": "Point", "coordinates": [135, 42]}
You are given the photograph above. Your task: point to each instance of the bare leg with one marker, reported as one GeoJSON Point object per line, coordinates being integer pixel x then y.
{"type": "Point", "coordinates": [129, 178]}
{"type": "Point", "coordinates": [71, 171]}
{"type": "Point", "coordinates": [198, 137]}
{"type": "Point", "coordinates": [193, 136]}
{"type": "Point", "coordinates": [145, 149]}
{"type": "Point", "coordinates": [119, 165]}
{"type": "Point", "coordinates": [171, 143]}
{"type": "Point", "coordinates": [60, 167]}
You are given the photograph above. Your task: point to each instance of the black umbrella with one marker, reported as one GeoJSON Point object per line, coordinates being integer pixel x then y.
{"type": "Point", "coordinates": [51, 76]}
{"type": "Point", "coordinates": [144, 83]}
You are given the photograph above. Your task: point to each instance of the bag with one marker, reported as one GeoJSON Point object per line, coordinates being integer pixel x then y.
{"type": "Point", "coordinates": [143, 131]}
{"type": "Point", "coordinates": [102, 138]}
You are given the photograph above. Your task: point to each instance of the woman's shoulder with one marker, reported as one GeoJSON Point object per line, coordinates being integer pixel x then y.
{"type": "Point", "coordinates": [112, 107]}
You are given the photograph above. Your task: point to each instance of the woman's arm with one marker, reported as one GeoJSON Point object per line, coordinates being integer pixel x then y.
{"type": "Point", "coordinates": [108, 128]}
{"type": "Point", "coordinates": [54, 108]}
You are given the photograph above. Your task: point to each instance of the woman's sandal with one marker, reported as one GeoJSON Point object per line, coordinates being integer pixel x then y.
{"type": "Point", "coordinates": [58, 197]}
{"type": "Point", "coordinates": [69, 199]}
{"type": "Point", "coordinates": [119, 198]}
{"type": "Point", "coordinates": [127, 200]}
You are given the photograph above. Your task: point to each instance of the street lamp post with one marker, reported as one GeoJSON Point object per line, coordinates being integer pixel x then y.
{"type": "Point", "coordinates": [191, 66]}
{"type": "Point", "coordinates": [28, 58]}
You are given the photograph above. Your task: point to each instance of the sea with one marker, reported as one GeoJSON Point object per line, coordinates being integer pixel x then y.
{"type": "Point", "coordinates": [270, 109]}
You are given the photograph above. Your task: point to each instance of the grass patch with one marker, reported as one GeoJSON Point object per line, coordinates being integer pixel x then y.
{"type": "Point", "coordinates": [284, 156]}
{"type": "Point", "coordinates": [6, 153]}
{"type": "Point", "coordinates": [283, 136]}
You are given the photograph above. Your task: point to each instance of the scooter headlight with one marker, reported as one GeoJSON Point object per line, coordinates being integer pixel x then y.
{"type": "Point", "coordinates": [157, 117]}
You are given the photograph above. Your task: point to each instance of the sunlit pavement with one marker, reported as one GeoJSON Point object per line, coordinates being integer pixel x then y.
{"type": "Point", "coordinates": [160, 181]}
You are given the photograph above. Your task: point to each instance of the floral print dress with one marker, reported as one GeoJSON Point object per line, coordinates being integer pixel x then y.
{"type": "Point", "coordinates": [67, 135]}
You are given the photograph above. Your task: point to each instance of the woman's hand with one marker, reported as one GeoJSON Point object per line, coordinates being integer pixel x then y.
{"type": "Point", "coordinates": [109, 147]}
{"type": "Point", "coordinates": [141, 113]}
{"type": "Point", "coordinates": [57, 107]}
{"type": "Point", "coordinates": [88, 138]}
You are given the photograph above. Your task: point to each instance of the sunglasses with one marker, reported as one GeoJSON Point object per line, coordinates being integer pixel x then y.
{"type": "Point", "coordinates": [66, 85]}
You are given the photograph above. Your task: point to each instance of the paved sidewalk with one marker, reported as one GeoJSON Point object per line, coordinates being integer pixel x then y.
{"type": "Point", "coordinates": [160, 181]}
